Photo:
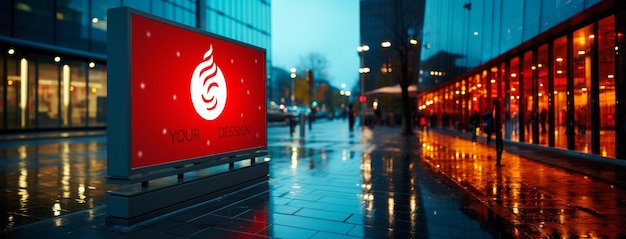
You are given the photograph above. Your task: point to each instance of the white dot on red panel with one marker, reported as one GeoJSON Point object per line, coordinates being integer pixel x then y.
{"type": "Point", "coordinates": [256, 61]}
{"type": "Point", "coordinates": [208, 143]}
{"type": "Point", "coordinates": [148, 34]}
{"type": "Point", "coordinates": [232, 61]}
{"type": "Point", "coordinates": [241, 115]}
{"type": "Point", "coordinates": [248, 92]}
{"type": "Point", "coordinates": [259, 107]}
{"type": "Point", "coordinates": [142, 85]}
{"type": "Point", "coordinates": [177, 53]}
{"type": "Point", "coordinates": [241, 80]}
{"type": "Point", "coordinates": [174, 97]}
{"type": "Point", "coordinates": [140, 154]}
{"type": "Point", "coordinates": [164, 131]}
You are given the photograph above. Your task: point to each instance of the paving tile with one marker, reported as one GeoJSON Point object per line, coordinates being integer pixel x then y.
{"type": "Point", "coordinates": [312, 223]}
{"type": "Point", "coordinates": [285, 209]}
{"type": "Point", "coordinates": [307, 204]}
{"type": "Point", "coordinates": [323, 214]}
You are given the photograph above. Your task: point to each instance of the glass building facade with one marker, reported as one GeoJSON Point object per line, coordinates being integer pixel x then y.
{"type": "Point", "coordinates": [557, 71]}
{"type": "Point", "coordinates": [53, 61]}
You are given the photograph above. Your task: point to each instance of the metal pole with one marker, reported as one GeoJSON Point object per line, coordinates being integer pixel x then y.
{"type": "Point", "coordinates": [362, 91]}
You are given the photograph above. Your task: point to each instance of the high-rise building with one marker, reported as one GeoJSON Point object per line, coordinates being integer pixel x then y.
{"type": "Point", "coordinates": [53, 61]}
{"type": "Point", "coordinates": [388, 29]}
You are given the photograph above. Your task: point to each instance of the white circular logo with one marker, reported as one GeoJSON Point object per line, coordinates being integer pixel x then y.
{"type": "Point", "coordinates": [208, 88]}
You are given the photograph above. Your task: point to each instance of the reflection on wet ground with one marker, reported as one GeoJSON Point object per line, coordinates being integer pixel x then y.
{"type": "Point", "coordinates": [539, 199]}
{"type": "Point", "coordinates": [333, 183]}
{"type": "Point", "coordinates": [48, 178]}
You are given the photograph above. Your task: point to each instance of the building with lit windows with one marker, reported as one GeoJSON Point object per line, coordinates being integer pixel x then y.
{"type": "Point", "coordinates": [53, 61]}
{"type": "Point", "coordinates": [557, 67]}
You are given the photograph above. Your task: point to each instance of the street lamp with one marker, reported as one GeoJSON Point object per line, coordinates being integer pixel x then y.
{"type": "Point", "coordinates": [362, 49]}
{"type": "Point", "coordinates": [293, 87]}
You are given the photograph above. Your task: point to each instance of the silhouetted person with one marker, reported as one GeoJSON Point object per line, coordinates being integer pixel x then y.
{"type": "Point", "coordinates": [379, 116]}
{"type": "Point", "coordinates": [433, 120]}
{"type": "Point", "coordinates": [474, 121]}
{"type": "Point", "coordinates": [351, 117]}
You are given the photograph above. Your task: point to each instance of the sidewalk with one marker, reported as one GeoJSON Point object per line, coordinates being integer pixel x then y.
{"type": "Point", "coordinates": [373, 183]}
{"type": "Point", "coordinates": [543, 192]}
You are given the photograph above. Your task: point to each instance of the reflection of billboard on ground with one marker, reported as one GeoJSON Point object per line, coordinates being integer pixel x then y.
{"type": "Point", "coordinates": [178, 95]}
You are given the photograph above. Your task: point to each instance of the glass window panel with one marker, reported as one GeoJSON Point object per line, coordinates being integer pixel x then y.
{"type": "Point", "coordinates": [527, 95]}
{"type": "Point", "coordinates": [31, 92]}
{"type": "Point", "coordinates": [542, 93]}
{"type": "Point", "coordinates": [138, 4]}
{"type": "Point", "coordinates": [531, 18]}
{"type": "Point", "coordinates": [77, 93]}
{"type": "Point", "coordinates": [158, 8]}
{"type": "Point", "coordinates": [589, 3]}
{"type": "Point", "coordinates": [502, 96]}
{"type": "Point", "coordinates": [582, 84]}
{"type": "Point", "coordinates": [97, 94]}
{"type": "Point", "coordinates": [13, 91]}
{"type": "Point", "coordinates": [98, 23]}
{"type": "Point", "coordinates": [72, 24]}
{"type": "Point", "coordinates": [5, 21]}
{"type": "Point", "coordinates": [548, 18]}
{"type": "Point", "coordinates": [34, 20]}
{"type": "Point", "coordinates": [560, 92]}
{"type": "Point", "coordinates": [606, 54]}
{"type": "Point", "coordinates": [568, 8]}
{"type": "Point", "coordinates": [48, 105]}
{"type": "Point", "coordinates": [514, 99]}
{"type": "Point", "coordinates": [511, 31]}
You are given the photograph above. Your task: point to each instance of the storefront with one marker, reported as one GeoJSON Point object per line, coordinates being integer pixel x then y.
{"type": "Point", "coordinates": [44, 90]}
{"type": "Point", "coordinates": [560, 89]}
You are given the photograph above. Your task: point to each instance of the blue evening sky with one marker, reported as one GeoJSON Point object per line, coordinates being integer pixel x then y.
{"type": "Point", "coordinates": [328, 27]}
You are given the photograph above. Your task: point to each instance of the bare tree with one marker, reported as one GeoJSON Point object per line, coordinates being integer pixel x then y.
{"type": "Point", "coordinates": [315, 62]}
{"type": "Point", "coordinates": [404, 20]}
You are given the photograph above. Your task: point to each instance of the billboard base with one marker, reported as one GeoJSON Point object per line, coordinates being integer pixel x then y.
{"type": "Point", "coordinates": [127, 207]}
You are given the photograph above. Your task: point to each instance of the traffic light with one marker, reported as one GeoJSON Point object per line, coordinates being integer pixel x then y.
{"type": "Point", "coordinates": [362, 98]}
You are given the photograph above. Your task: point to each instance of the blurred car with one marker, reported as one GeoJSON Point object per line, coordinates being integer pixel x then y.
{"type": "Point", "coordinates": [276, 112]}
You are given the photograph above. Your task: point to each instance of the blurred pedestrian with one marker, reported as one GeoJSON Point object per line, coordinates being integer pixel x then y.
{"type": "Point", "coordinates": [433, 120]}
{"type": "Point", "coordinates": [379, 116]}
{"type": "Point", "coordinates": [423, 123]}
{"type": "Point", "coordinates": [351, 117]}
{"type": "Point", "coordinates": [474, 121]}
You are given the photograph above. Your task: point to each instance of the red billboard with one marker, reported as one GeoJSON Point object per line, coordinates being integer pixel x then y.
{"type": "Point", "coordinates": [191, 94]}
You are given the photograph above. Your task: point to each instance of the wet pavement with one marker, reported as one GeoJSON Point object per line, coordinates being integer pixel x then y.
{"type": "Point", "coordinates": [333, 183]}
